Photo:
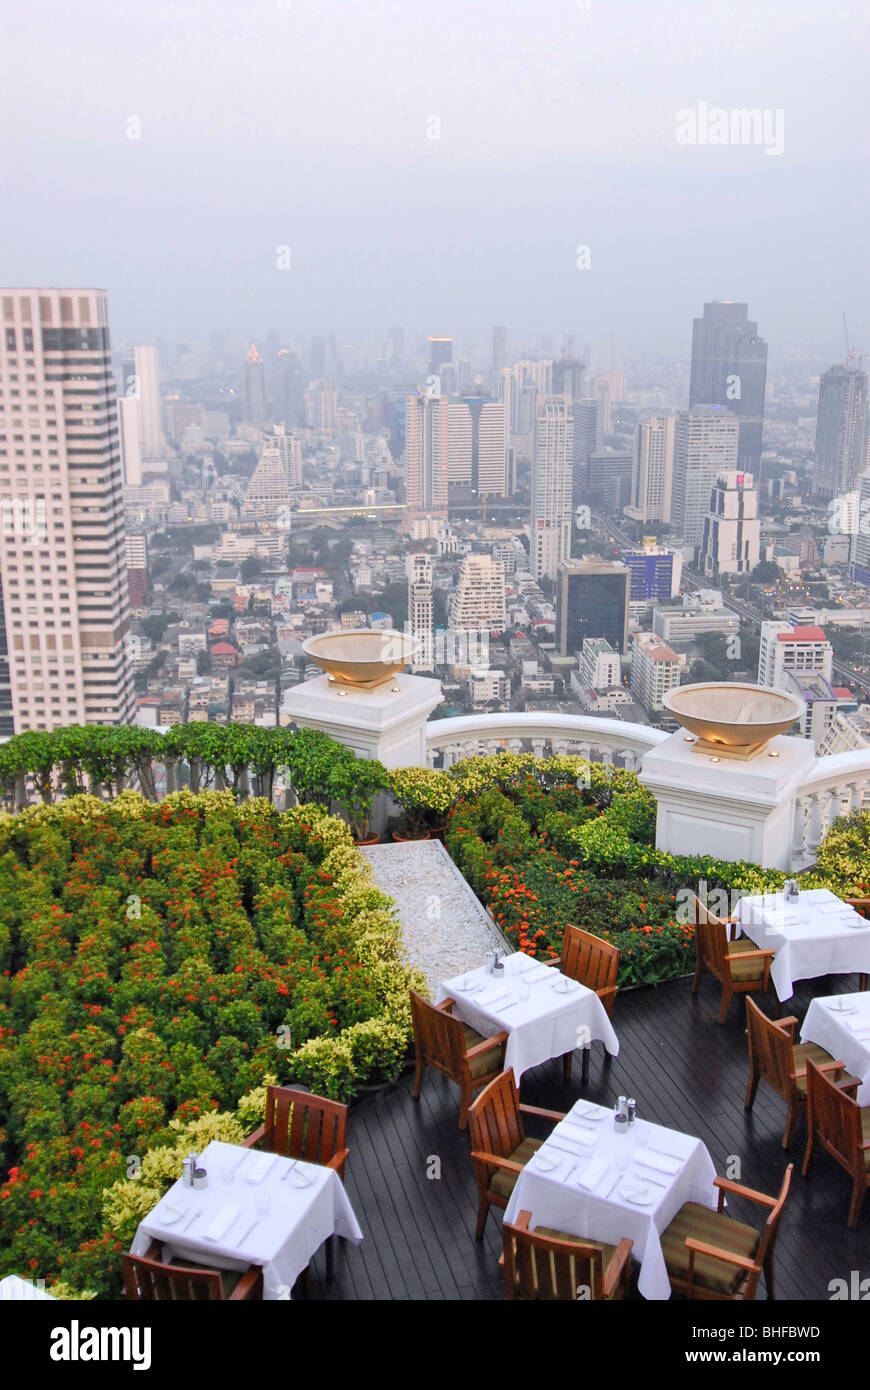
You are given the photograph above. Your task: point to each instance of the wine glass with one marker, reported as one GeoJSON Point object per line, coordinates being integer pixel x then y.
{"type": "Point", "coordinates": [642, 1133]}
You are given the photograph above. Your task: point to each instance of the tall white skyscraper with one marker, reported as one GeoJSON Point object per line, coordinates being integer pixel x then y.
{"type": "Point", "coordinates": [148, 379]}
{"type": "Point", "coordinates": [479, 600]}
{"type": "Point", "coordinates": [477, 445]}
{"type": "Point", "coordinates": [420, 609]}
{"type": "Point", "coordinates": [62, 542]}
{"type": "Point", "coordinates": [731, 543]}
{"type": "Point", "coordinates": [860, 546]}
{"type": "Point", "coordinates": [652, 470]}
{"type": "Point", "coordinates": [706, 442]}
{"type": "Point", "coordinates": [841, 427]}
{"type": "Point", "coordinates": [426, 455]}
{"type": "Point", "coordinates": [551, 485]}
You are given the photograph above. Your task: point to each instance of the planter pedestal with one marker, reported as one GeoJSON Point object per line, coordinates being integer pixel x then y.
{"type": "Point", "coordinates": [387, 723]}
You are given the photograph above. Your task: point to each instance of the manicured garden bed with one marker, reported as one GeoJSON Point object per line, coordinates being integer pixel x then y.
{"type": "Point", "coordinates": [158, 964]}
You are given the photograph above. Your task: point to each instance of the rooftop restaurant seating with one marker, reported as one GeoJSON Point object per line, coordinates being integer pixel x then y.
{"type": "Point", "coordinates": [710, 1255]}
{"type": "Point", "coordinates": [774, 1058]}
{"type": "Point", "coordinates": [595, 963]}
{"type": "Point", "coordinates": [453, 1048]}
{"type": "Point", "coordinates": [148, 1279]}
{"type": "Point", "coordinates": [739, 966]}
{"type": "Point", "coordinates": [548, 1264]}
{"type": "Point", "coordinates": [499, 1146]}
{"type": "Point", "coordinates": [841, 1126]}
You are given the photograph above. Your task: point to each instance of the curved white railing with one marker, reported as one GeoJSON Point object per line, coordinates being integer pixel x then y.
{"type": "Point", "coordinates": [839, 783]}
{"type": "Point", "coordinates": [604, 740]}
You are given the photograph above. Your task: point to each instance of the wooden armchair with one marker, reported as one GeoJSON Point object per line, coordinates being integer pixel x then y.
{"type": "Point", "coordinates": [312, 1128]}
{"type": "Point", "coordinates": [547, 1264]}
{"type": "Point", "coordinates": [774, 1058]}
{"type": "Point", "coordinates": [739, 966]}
{"type": "Point", "coordinates": [300, 1125]}
{"type": "Point", "coordinates": [499, 1147]}
{"type": "Point", "coordinates": [842, 1127]}
{"type": "Point", "coordinates": [711, 1256]}
{"type": "Point", "coordinates": [147, 1278]}
{"type": "Point", "coordinates": [595, 963]}
{"type": "Point", "coordinates": [453, 1048]}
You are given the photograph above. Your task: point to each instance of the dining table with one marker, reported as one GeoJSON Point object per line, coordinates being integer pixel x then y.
{"type": "Point", "coordinates": [592, 1180]}
{"type": "Point", "coordinates": [816, 934]}
{"type": "Point", "coordinates": [545, 1013]}
{"type": "Point", "coordinates": [840, 1023]}
{"type": "Point", "coordinates": [257, 1208]}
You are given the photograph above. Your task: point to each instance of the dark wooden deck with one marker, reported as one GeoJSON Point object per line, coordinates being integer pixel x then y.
{"type": "Point", "coordinates": [685, 1071]}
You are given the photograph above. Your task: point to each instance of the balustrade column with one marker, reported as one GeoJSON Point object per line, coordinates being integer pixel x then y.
{"type": "Point", "coordinates": [538, 747]}
{"type": "Point", "coordinates": [799, 829]}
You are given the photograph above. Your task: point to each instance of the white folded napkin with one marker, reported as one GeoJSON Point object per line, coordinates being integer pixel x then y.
{"type": "Point", "coordinates": [256, 1170]}
{"type": "Point", "coordinates": [834, 907]}
{"type": "Point", "coordinates": [489, 999]}
{"type": "Point", "coordinates": [591, 1173]}
{"type": "Point", "coordinates": [572, 1127]}
{"type": "Point", "coordinates": [220, 1223]}
{"type": "Point", "coordinates": [662, 1163]}
{"type": "Point", "coordinates": [540, 972]}
{"type": "Point", "coordinates": [586, 1113]}
{"type": "Point", "coordinates": [572, 1143]}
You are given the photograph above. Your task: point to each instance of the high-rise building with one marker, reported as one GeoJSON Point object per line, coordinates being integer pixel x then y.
{"type": "Point", "coordinates": [609, 387]}
{"type": "Point", "coordinates": [729, 368]}
{"type": "Point", "coordinates": [426, 455]}
{"type": "Point", "coordinates": [655, 572]}
{"type": "Point", "coordinates": [731, 543]}
{"type": "Point", "coordinates": [268, 497]}
{"type": "Point", "coordinates": [136, 551]}
{"type": "Point", "coordinates": [655, 669]}
{"type": "Point", "coordinates": [479, 601]}
{"type": "Point", "coordinates": [7, 720]}
{"type": "Point", "coordinates": [860, 544]}
{"type": "Point", "coordinates": [551, 485]}
{"type": "Point", "coordinates": [62, 551]}
{"type": "Point", "coordinates": [440, 354]}
{"type": "Point", "coordinates": [588, 440]}
{"type": "Point", "coordinates": [652, 470]}
{"type": "Point", "coordinates": [317, 356]}
{"type": "Point", "coordinates": [841, 427]}
{"type": "Point", "coordinates": [420, 611]}
{"type": "Point", "coordinates": [600, 667]}
{"type": "Point", "coordinates": [130, 423]}
{"type": "Point", "coordinates": [591, 601]}
{"type": "Point", "coordinates": [148, 381]}
{"type": "Point", "coordinates": [521, 385]}
{"type": "Point", "coordinates": [477, 446]}
{"type": "Point", "coordinates": [705, 444]}
{"type": "Point", "coordinates": [289, 401]}
{"type": "Point", "coordinates": [499, 350]}
{"type": "Point", "coordinates": [254, 390]}
{"type": "Point", "coordinates": [568, 377]}
{"type": "Point", "coordinates": [799, 660]}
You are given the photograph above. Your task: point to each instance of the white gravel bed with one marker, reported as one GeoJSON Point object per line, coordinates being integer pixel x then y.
{"type": "Point", "coordinates": [445, 928]}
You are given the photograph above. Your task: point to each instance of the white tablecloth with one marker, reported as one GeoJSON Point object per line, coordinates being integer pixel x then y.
{"type": "Point", "coordinates": [283, 1241]}
{"type": "Point", "coordinates": [845, 1035]}
{"type": "Point", "coordinates": [13, 1289]}
{"type": "Point", "coordinates": [817, 935]}
{"type": "Point", "coordinates": [547, 1024]}
{"type": "Point", "coordinates": [556, 1198]}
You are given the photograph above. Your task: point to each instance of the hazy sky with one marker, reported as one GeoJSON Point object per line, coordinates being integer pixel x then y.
{"type": "Point", "coordinates": [308, 124]}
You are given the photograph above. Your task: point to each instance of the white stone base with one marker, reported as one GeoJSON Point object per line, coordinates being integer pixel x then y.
{"type": "Point", "coordinates": [388, 723]}
{"type": "Point", "coordinates": [728, 809]}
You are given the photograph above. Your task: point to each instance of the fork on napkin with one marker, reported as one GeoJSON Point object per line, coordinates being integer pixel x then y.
{"type": "Point", "coordinates": [661, 1163]}
{"type": "Point", "coordinates": [255, 1172]}
{"type": "Point", "coordinates": [591, 1174]}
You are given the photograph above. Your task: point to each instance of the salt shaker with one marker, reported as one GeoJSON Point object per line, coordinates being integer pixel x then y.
{"type": "Point", "coordinates": [490, 959]}
{"type": "Point", "coordinates": [188, 1168]}
{"type": "Point", "coordinates": [631, 1107]}
{"type": "Point", "coordinates": [200, 1178]}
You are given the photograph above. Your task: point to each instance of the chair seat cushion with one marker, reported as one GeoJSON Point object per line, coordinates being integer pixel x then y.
{"type": "Point", "coordinates": [486, 1062]}
{"type": "Point", "coordinates": [744, 970]}
{"type": "Point", "coordinates": [503, 1180]}
{"type": "Point", "coordinates": [713, 1228]}
{"type": "Point", "coordinates": [865, 1133]}
{"type": "Point", "coordinates": [609, 1250]}
{"type": "Point", "coordinates": [811, 1052]}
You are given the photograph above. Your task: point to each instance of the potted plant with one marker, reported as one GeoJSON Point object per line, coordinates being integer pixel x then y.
{"type": "Point", "coordinates": [425, 795]}
{"type": "Point", "coordinates": [354, 784]}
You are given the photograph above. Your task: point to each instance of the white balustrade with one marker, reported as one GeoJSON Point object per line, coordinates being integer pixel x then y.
{"type": "Point", "coordinates": [606, 740]}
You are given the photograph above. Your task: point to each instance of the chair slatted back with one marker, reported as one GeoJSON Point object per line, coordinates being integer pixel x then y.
{"type": "Point", "coordinates": [771, 1048]}
{"type": "Point", "coordinates": [835, 1118]}
{"type": "Point", "coordinates": [771, 1225]}
{"type": "Point", "coordinates": [150, 1281]}
{"type": "Point", "coordinates": [711, 941]}
{"type": "Point", "coordinates": [439, 1037]}
{"type": "Point", "coordinates": [496, 1126]}
{"type": "Point", "coordinates": [299, 1125]}
{"type": "Point", "coordinates": [589, 959]}
{"type": "Point", "coordinates": [542, 1267]}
